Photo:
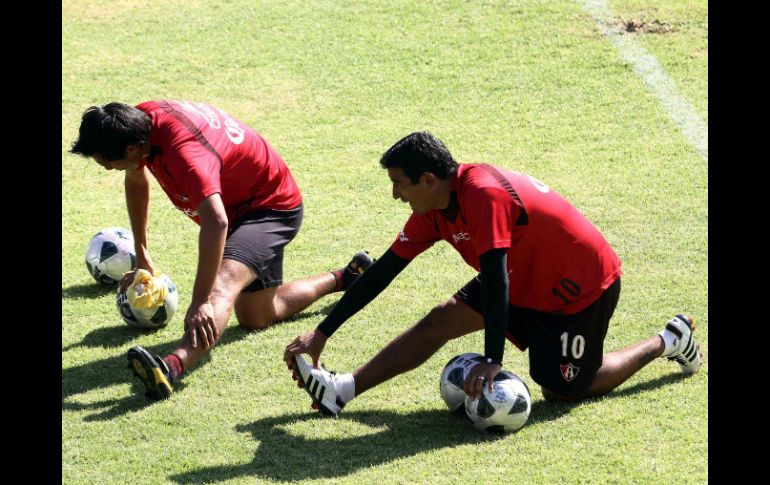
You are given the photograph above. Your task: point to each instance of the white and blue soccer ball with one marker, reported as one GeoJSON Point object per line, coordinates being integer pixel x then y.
{"type": "Point", "coordinates": [453, 378]}
{"type": "Point", "coordinates": [111, 253]}
{"type": "Point", "coordinates": [149, 318]}
{"type": "Point", "coordinates": [503, 410]}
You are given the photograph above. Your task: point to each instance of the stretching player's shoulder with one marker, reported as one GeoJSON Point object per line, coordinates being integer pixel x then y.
{"type": "Point", "coordinates": [147, 106]}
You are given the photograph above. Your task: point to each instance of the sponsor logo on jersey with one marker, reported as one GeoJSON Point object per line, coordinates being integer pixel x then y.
{"type": "Point", "coordinates": [461, 236]}
{"type": "Point", "coordinates": [234, 132]}
{"type": "Point", "coordinates": [539, 185]}
{"type": "Point", "coordinates": [569, 371]}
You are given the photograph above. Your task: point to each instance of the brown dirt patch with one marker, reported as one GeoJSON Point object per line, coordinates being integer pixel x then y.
{"type": "Point", "coordinates": [642, 26]}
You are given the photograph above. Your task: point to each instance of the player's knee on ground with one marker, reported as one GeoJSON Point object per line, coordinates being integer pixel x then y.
{"type": "Point", "coordinates": [255, 314]}
{"type": "Point", "coordinates": [549, 395]}
{"type": "Point", "coordinates": [568, 390]}
{"type": "Point", "coordinates": [254, 322]}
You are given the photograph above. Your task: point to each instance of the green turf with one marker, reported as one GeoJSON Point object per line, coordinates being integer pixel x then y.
{"type": "Point", "coordinates": [530, 85]}
{"type": "Point", "coordinates": [681, 46]}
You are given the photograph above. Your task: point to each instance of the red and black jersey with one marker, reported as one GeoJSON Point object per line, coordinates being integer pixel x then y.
{"type": "Point", "coordinates": [558, 261]}
{"type": "Point", "coordinates": [198, 150]}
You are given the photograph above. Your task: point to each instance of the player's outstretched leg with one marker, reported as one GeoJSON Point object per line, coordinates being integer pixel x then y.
{"type": "Point", "coordinates": [152, 371]}
{"type": "Point", "coordinates": [680, 344]}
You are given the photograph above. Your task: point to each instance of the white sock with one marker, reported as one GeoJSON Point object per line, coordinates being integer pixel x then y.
{"type": "Point", "coordinates": [670, 342]}
{"type": "Point", "coordinates": [345, 386]}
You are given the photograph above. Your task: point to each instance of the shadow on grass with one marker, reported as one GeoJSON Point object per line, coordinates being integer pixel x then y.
{"type": "Point", "coordinates": [105, 373]}
{"type": "Point", "coordinates": [114, 336]}
{"type": "Point", "coordinates": [282, 456]}
{"type": "Point", "coordinates": [549, 410]}
{"type": "Point", "coordinates": [109, 337]}
{"type": "Point", "coordinates": [91, 290]}
{"type": "Point", "coordinates": [114, 370]}
{"type": "Point", "coordinates": [648, 385]}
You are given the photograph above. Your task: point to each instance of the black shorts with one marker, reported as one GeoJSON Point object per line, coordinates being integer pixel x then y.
{"type": "Point", "coordinates": [257, 240]}
{"type": "Point", "coordinates": [565, 351]}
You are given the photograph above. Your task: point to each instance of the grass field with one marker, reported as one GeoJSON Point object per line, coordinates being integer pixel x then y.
{"type": "Point", "coordinates": [529, 85]}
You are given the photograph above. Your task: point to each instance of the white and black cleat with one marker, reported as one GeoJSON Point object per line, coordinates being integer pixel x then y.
{"type": "Point", "coordinates": [319, 384]}
{"type": "Point", "coordinates": [684, 350]}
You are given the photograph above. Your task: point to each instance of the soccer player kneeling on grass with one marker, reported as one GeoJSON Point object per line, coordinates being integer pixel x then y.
{"type": "Point", "coordinates": [224, 176]}
{"type": "Point", "coordinates": [548, 281]}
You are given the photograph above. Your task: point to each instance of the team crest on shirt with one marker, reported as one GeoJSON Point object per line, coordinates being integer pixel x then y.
{"type": "Point", "coordinates": [569, 371]}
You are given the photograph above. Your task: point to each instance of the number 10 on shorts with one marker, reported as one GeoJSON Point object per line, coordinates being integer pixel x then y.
{"type": "Point", "coordinates": [577, 347]}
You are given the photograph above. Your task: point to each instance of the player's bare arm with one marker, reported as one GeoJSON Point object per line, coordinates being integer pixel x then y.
{"type": "Point", "coordinates": [199, 321]}
{"type": "Point", "coordinates": [137, 188]}
{"type": "Point", "coordinates": [194, 150]}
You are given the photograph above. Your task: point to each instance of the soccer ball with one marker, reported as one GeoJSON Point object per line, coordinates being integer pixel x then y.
{"type": "Point", "coordinates": [111, 253]}
{"type": "Point", "coordinates": [505, 409]}
{"type": "Point", "coordinates": [149, 318]}
{"type": "Point", "coordinates": [453, 378]}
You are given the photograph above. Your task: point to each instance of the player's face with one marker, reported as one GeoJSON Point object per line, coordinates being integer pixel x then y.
{"type": "Point", "coordinates": [131, 160]}
{"type": "Point", "coordinates": [419, 196]}
{"type": "Point", "coordinates": [122, 164]}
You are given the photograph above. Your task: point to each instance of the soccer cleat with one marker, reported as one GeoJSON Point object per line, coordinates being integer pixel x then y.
{"type": "Point", "coordinates": [360, 262]}
{"type": "Point", "coordinates": [347, 275]}
{"type": "Point", "coordinates": [152, 371]}
{"type": "Point", "coordinates": [680, 344]}
{"type": "Point", "coordinates": [319, 383]}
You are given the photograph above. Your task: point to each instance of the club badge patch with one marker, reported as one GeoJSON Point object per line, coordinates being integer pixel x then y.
{"type": "Point", "coordinates": [569, 371]}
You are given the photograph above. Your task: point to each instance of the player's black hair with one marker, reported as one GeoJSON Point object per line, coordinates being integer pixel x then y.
{"type": "Point", "coordinates": [418, 153]}
{"type": "Point", "coordinates": [107, 131]}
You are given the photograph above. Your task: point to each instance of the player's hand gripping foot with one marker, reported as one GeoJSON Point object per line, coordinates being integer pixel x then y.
{"type": "Point", "coordinates": [320, 384]}
{"type": "Point", "coordinates": [680, 344]}
{"type": "Point", "coordinates": [152, 371]}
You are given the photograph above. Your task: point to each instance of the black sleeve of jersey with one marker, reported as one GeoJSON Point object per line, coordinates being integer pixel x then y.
{"type": "Point", "coordinates": [494, 302]}
{"type": "Point", "coordinates": [363, 290]}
